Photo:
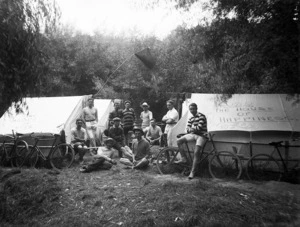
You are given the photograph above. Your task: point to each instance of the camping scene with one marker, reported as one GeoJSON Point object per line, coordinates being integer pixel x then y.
{"type": "Point", "coordinates": [141, 113]}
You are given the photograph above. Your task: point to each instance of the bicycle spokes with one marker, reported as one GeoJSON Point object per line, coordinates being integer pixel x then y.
{"type": "Point", "coordinates": [62, 156]}
{"type": "Point", "coordinates": [263, 167]}
{"type": "Point", "coordinates": [225, 164]}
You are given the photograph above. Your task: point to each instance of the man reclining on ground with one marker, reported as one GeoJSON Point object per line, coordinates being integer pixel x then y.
{"type": "Point", "coordinates": [103, 159]}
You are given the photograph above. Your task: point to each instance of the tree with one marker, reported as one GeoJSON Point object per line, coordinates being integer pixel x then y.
{"type": "Point", "coordinates": [257, 49]}
{"type": "Point", "coordinates": [24, 26]}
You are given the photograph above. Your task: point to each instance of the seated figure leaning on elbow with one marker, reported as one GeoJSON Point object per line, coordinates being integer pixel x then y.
{"type": "Point", "coordinates": [78, 139]}
{"type": "Point", "coordinates": [197, 131]}
{"type": "Point", "coordinates": [103, 159]}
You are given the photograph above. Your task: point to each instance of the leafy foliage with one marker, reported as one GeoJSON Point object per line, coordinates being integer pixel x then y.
{"type": "Point", "coordinates": [257, 50]}
{"type": "Point", "coordinates": [21, 41]}
{"type": "Point", "coordinates": [250, 47]}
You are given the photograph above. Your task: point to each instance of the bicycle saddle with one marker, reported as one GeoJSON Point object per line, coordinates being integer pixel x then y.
{"type": "Point", "coordinates": [19, 134]}
{"type": "Point", "coordinates": [276, 143]}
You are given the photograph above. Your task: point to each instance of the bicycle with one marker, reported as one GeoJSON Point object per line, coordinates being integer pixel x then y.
{"type": "Point", "coordinates": [60, 156]}
{"type": "Point", "coordinates": [11, 148]}
{"type": "Point", "coordinates": [269, 167]}
{"type": "Point", "coordinates": [222, 164]}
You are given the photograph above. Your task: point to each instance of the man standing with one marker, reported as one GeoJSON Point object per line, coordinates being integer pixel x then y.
{"type": "Point", "coordinates": [197, 131]}
{"type": "Point", "coordinates": [146, 116]}
{"type": "Point", "coordinates": [128, 120]}
{"type": "Point", "coordinates": [103, 158]}
{"type": "Point", "coordinates": [154, 133]}
{"type": "Point", "coordinates": [141, 151]}
{"type": "Point", "coordinates": [90, 116]}
{"type": "Point", "coordinates": [117, 112]}
{"type": "Point", "coordinates": [117, 133]}
{"type": "Point", "coordinates": [171, 118]}
{"type": "Point", "coordinates": [78, 139]}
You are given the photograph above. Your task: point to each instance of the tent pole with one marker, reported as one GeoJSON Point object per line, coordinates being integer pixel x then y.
{"type": "Point", "coordinates": [102, 87]}
{"type": "Point", "coordinates": [250, 147]}
{"type": "Point", "coordinates": [251, 152]}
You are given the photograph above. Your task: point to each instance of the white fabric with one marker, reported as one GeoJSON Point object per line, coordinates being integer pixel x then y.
{"type": "Point", "coordinates": [42, 115]}
{"type": "Point", "coordinates": [260, 118]}
{"type": "Point", "coordinates": [51, 115]}
{"type": "Point", "coordinates": [171, 114]}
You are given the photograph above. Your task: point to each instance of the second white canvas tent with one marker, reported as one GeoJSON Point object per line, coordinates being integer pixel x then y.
{"type": "Point", "coordinates": [245, 118]}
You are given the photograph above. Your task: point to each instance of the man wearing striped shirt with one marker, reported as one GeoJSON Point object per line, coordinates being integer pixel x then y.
{"type": "Point", "coordinates": [128, 120]}
{"type": "Point", "coordinates": [197, 131]}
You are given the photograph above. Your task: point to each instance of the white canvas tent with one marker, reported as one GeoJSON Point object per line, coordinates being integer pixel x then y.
{"type": "Point", "coordinates": [51, 115]}
{"type": "Point", "coordinates": [104, 106]}
{"type": "Point", "coordinates": [245, 118]}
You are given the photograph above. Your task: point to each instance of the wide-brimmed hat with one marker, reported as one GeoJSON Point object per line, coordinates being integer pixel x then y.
{"type": "Point", "coordinates": [138, 129]}
{"type": "Point", "coordinates": [145, 104]}
{"type": "Point", "coordinates": [117, 119]}
{"type": "Point", "coordinates": [108, 139]}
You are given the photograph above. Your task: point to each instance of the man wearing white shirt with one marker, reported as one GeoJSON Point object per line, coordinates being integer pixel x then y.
{"type": "Point", "coordinates": [171, 118]}
{"type": "Point", "coordinates": [78, 139]}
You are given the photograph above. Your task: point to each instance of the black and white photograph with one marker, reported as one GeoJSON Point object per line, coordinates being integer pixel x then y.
{"type": "Point", "coordinates": [141, 113]}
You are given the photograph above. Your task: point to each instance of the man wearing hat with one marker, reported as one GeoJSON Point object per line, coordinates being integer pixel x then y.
{"type": "Point", "coordinates": [116, 132]}
{"type": "Point", "coordinates": [140, 151]}
{"type": "Point", "coordinates": [128, 120]}
{"type": "Point", "coordinates": [103, 159]}
{"type": "Point", "coordinates": [146, 116]}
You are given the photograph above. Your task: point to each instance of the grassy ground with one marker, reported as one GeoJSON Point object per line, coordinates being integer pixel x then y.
{"type": "Point", "coordinates": [125, 197]}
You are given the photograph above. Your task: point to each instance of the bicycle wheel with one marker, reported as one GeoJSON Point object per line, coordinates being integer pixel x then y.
{"type": "Point", "coordinates": [19, 154]}
{"type": "Point", "coordinates": [263, 167]}
{"type": "Point", "coordinates": [2, 155]}
{"type": "Point", "coordinates": [225, 164]}
{"type": "Point", "coordinates": [20, 159]}
{"type": "Point", "coordinates": [62, 156]}
{"type": "Point", "coordinates": [6, 151]}
{"type": "Point", "coordinates": [31, 158]}
{"type": "Point", "coordinates": [165, 161]}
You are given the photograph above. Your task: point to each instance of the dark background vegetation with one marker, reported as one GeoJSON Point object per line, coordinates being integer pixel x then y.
{"type": "Point", "coordinates": [256, 51]}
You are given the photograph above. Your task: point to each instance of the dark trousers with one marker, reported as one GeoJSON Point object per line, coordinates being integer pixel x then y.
{"type": "Point", "coordinates": [98, 164]}
{"type": "Point", "coordinates": [118, 147]}
{"type": "Point", "coordinates": [126, 134]}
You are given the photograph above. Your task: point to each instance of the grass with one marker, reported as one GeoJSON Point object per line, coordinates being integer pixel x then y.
{"type": "Point", "coordinates": [125, 197]}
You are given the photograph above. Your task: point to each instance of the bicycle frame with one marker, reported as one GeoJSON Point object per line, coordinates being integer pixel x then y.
{"type": "Point", "coordinates": [276, 146]}
{"type": "Point", "coordinates": [13, 144]}
{"type": "Point", "coordinates": [203, 151]}
{"type": "Point", "coordinates": [40, 153]}
{"type": "Point", "coordinates": [188, 151]}
{"type": "Point", "coordinates": [5, 142]}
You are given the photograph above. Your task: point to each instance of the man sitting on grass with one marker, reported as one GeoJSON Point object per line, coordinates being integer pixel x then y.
{"type": "Point", "coordinates": [139, 158]}
{"type": "Point", "coordinates": [78, 139]}
{"type": "Point", "coordinates": [154, 133]}
{"type": "Point", "coordinates": [103, 159]}
{"type": "Point", "coordinates": [117, 133]}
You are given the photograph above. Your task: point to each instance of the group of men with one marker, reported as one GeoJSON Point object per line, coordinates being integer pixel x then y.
{"type": "Point", "coordinates": [117, 136]}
